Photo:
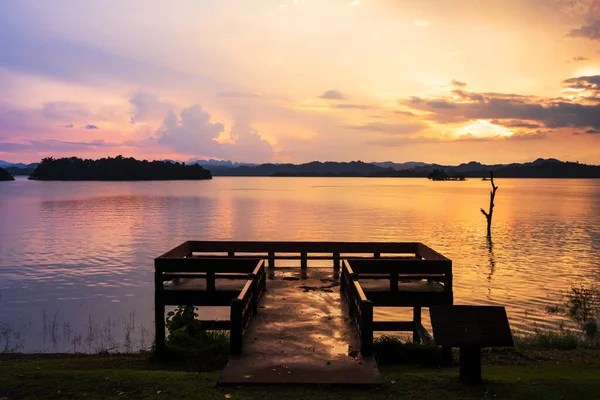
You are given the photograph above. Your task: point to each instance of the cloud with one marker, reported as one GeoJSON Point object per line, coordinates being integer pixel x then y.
{"type": "Point", "coordinates": [51, 117]}
{"type": "Point", "coordinates": [539, 134]}
{"type": "Point", "coordinates": [577, 59]}
{"type": "Point", "coordinates": [440, 104]}
{"type": "Point", "coordinates": [391, 129]}
{"type": "Point", "coordinates": [435, 103]}
{"type": "Point", "coordinates": [354, 3]}
{"type": "Point", "coordinates": [584, 82]}
{"type": "Point", "coordinates": [90, 126]}
{"type": "Point", "coordinates": [468, 95]}
{"type": "Point", "coordinates": [333, 95]}
{"type": "Point", "coordinates": [406, 113]}
{"type": "Point", "coordinates": [353, 106]}
{"type": "Point", "coordinates": [64, 110]}
{"type": "Point", "coordinates": [146, 106]}
{"type": "Point", "coordinates": [515, 124]}
{"type": "Point", "coordinates": [46, 145]}
{"type": "Point", "coordinates": [34, 52]}
{"type": "Point", "coordinates": [421, 23]}
{"type": "Point", "coordinates": [192, 133]}
{"type": "Point", "coordinates": [590, 31]}
{"type": "Point", "coordinates": [592, 131]}
{"type": "Point", "coordinates": [458, 83]}
{"type": "Point", "coordinates": [547, 112]}
{"type": "Point", "coordinates": [243, 95]}
{"type": "Point", "coordinates": [248, 145]}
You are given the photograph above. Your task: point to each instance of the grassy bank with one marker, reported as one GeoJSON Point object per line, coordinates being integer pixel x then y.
{"type": "Point", "coordinates": [507, 374]}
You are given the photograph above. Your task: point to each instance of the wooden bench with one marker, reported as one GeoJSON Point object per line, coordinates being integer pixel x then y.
{"type": "Point", "coordinates": [470, 328]}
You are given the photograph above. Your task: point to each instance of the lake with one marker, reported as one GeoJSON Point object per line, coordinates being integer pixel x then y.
{"type": "Point", "coordinates": [76, 258]}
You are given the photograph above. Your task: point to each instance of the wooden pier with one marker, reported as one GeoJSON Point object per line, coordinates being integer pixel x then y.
{"type": "Point", "coordinates": [301, 324]}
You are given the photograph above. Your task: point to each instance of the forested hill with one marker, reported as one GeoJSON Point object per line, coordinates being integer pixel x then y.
{"type": "Point", "coordinates": [315, 168]}
{"type": "Point", "coordinates": [115, 169]}
{"type": "Point", "coordinates": [5, 175]}
{"type": "Point", "coordinates": [541, 168]}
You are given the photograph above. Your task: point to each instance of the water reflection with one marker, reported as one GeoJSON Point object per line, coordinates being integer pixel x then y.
{"type": "Point", "coordinates": [86, 248]}
{"type": "Point", "coordinates": [491, 256]}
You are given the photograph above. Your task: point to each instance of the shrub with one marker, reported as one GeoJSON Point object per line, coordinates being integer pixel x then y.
{"type": "Point", "coordinates": [188, 336]}
{"type": "Point", "coordinates": [582, 306]}
{"type": "Point", "coordinates": [391, 350]}
{"type": "Point", "coordinates": [549, 340]}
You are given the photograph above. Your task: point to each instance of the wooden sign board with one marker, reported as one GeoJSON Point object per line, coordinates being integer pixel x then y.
{"type": "Point", "coordinates": [470, 326]}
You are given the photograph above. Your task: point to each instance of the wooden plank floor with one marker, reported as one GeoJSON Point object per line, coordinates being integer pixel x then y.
{"type": "Point", "coordinates": [301, 335]}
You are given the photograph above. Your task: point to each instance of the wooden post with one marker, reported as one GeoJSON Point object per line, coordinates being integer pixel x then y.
{"type": "Point", "coordinates": [271, 259]}
{"type": "Point", "coordinates": [366, 327]}
{"type": "Point", "coordinates": [231, 253]}
{"type": "Point", "coordinates": [377, 255]}
{"type": "Point", "coordinates": [488, 214]}
{"type": "Point", "coordinates": [159, 314]}
{"type": "Point", "coordinates": [470, 365]}
{"type": "Point", "coordinates": [211, 285]}
{"type": "Point", "coordinates": [236, 319]}
{"type": "Point", "coordinates": [447, 356]}
{"type": "Point", "coordinates": [394, 281]}
{"type": "Point", "coordinates": [336, 261]}
{"type": "Point", "coordinates": [303, 260]}
{"type": "Point", "coordinates": [254, 297]}
{"type": "Point", "coordinates": [416, 320]}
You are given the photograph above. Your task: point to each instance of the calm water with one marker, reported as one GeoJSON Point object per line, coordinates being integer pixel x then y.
{"type": "Point", "coordinates": [76, 259]}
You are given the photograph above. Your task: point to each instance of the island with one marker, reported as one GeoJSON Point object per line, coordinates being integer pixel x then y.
{"type": "Point", "coordinates": [5, 175]}
{"type": "Point", "coordinates": [441, 175]}
{"type": "Point", "coordinates": [115, 169]}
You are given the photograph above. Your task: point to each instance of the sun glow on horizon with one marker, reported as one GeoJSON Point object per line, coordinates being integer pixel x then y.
{"type": "Point", "coordinates": [483, 128]}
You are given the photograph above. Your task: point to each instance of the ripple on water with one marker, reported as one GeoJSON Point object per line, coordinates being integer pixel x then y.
{"type": "Point", "coordinates": [87, 249]}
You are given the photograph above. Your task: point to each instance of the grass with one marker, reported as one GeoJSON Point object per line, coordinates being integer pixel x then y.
{"type": "Point", "coordinates": [551, 376]}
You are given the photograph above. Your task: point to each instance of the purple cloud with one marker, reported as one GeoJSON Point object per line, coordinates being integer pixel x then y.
{"type": "Point", "coordinates": [333, 95]}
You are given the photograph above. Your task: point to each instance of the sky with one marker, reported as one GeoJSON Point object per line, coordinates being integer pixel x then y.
{"type": "Point", "coordinates": [444, 81]}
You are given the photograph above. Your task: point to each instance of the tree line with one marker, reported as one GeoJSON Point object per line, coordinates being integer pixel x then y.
{"type": "Point", "coordinates": [115, 169]}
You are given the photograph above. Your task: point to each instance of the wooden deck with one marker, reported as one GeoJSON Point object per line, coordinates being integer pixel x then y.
{"type": "Point", "coordinates": [301, 334]}
{"type": "Point", "coordinates": [311, 325]}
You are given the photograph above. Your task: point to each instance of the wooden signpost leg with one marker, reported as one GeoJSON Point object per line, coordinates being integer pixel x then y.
{"type": "Point", "coordinates": [447, 356]}
{"type": "Point", "coordinates": [470, 365]}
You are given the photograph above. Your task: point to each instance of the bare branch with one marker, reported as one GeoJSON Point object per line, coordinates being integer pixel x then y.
{"type": "Point", "coordinates": [488, 214]}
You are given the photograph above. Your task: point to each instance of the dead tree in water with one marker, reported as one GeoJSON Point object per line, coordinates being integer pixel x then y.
{"type": "Point", "coordinates": [488, 214]}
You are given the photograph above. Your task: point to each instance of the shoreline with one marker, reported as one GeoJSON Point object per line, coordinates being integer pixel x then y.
{"type": "Point", "coordinates": [514, 374]}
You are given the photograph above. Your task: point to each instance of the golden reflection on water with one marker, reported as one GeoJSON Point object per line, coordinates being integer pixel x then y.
{"type": "Point", "coordinates": [87, 248]}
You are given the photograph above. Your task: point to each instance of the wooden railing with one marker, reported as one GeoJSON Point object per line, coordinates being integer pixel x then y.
{"type": "Point", "coordinates": [396, 262]}
{"type": "Point", "coordinates": [436, 291]}
{"type": "Point", "coordinates": [251, 270]}
{"type": "Point", "coordinates": [302, 251]}
{"type": "Point", "coordinates": [360, 309]}
{"type": "Point", "coordinates": [245, 306]}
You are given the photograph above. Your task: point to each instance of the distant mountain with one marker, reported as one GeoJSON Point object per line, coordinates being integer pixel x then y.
{"type": "Point", "coordinates": [18, 168]}
{"type": "Point", "coordinates": [540, 168]}
{"type": "Point", "coordinates": [315, 168]}
{"type": "Point", "coordinates": [5, 164]}
{"type": "Point", "coordinates": [20, 171]}
{"type": "Point", "coordinates": [218, 163]}
{"type": "Point", "coordinates": [400, 166]}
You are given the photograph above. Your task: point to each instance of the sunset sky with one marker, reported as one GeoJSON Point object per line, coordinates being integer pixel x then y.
{"type": "Point", "coordinates": [445, 81]}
